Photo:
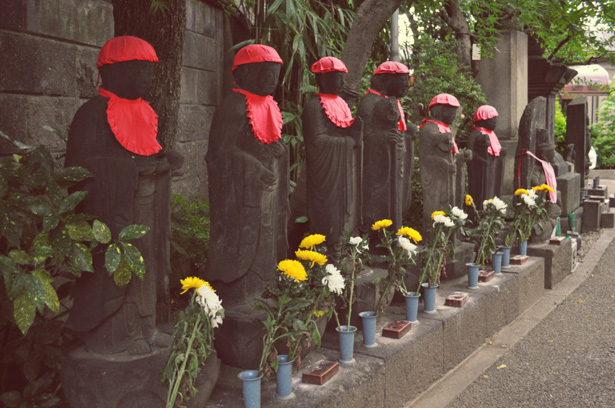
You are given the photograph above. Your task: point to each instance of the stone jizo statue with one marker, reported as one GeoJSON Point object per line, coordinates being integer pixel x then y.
{"type": "Point", "coordinates": [114, 136]}
{"type": "Point", "coordinates": [437, 151]}
{"type": "Point", "coordinates": [388, 157]}
{"type": "Point", "coordinates": [334, 147]}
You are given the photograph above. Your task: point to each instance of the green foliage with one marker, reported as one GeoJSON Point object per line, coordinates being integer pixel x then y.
{"type": "Point", "coordinates": [560, 129]}
{"type": "Point", "coordinates": [603, 132]}
{"type": "Point", "coordinates": [190, 224]}
{"type": "Point", "coordinates": [44, 245]}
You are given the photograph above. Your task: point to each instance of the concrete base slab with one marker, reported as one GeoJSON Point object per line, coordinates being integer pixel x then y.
{"type": "Point", "coordinates": [531, 281]}
{"type": "Point", "coordinates": [558, 260]}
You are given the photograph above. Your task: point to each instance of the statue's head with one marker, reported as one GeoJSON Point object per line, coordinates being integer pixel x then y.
{"type": "Point", "coordinates": [257, 69]}
{"type": "Point", "coordinates": [392, 79]}
{"type": "Point", "coordinates": [545, 147]}
{"type": "Point", "coordinates": [443, 107]}
{"type": "Point", "coordinates": [126, 65]}
{"type": "Point", "coordinates": [486, 117]}
{"type": "Point", "coordinates": [330, 73]}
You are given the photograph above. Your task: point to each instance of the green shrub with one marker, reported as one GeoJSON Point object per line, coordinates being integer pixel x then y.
{"type": "Point", "coordinates": [190, 225]}
{"type": "Point", "coordinates": [560, 129]}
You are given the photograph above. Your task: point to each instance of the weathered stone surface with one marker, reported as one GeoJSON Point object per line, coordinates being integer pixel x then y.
{"type": "Point", "coordinates": [531, 279]}
{"type": "Point", "coordinates": [194, 173]}
{"type": "Point", "coordinates": [201, 52]}
{"type": "Point", "coordinates": [607, 219]}
{"type": "Point", "coordinates": [36, 65]}
{"type": "Point", "coordinates": [200, 87]}
{"type": "Point", "coordinates": [89, 23]}
{"type": "Point", "coordinates": [577, 134]}
{"type": "Point", "coordinates": [569, 184]}
{"type": "Point", "coordinates": [592, 209]}
{"type": "Point", "coordinates": [14, 14]}
{"type": "Point", "coordinates": [193, 124]}
{"type": "Point", "coordinates": [501, 302]}
{"type": "Point", "coordinates": [87, 73]}
{"type": "Point", "coordinates": [557, 260]}
{"type": "Point", "coordinates": [202, 18]}
{"type": "Point", "coordinates": [533, 118]}
{"type": "Point", "coordinates": [601, 191]}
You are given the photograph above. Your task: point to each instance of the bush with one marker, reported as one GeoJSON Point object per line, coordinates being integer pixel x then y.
{"type": "Point", "coordinates": [190, 239]}
{"type": "Point", "coordinates": [603, 132]}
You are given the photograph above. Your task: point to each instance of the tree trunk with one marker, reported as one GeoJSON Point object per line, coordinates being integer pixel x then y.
{"type": "Point", "coordinates": [457, 22]}
{"type": "Point", "coordinates": [395, 36]}
{"type": "Point", "coordinates": [370, 18]}
{"type": "Point", "coordinates": [165, 30]}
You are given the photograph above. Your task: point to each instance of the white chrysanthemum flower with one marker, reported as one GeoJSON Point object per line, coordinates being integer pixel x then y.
{"type": "Point", "coordinates": [443, 219]}
{"type": "Point", "coordinates": [499, 205]}
{"type": "Point", "coordinates": [334, 279]}
{"type": "Point", "coordinates": [408, 246]}
{"type": "Point", "coordinates": [356, 241]}
{"type": "Point", "coordinates": [532, 194]}
{"type": "Point", "coordinates": [529, 201]}
{"type": "Point", "coordinates": [210, 302]}
{"type": "Point", "coordinates": [459, 213]}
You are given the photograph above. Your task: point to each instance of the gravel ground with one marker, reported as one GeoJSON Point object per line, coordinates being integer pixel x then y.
{"type": "Point", "coordinates": [567, 360]}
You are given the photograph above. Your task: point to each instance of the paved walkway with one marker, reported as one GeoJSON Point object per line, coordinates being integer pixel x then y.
{"type": "Point", "coordinates": [559, 353]}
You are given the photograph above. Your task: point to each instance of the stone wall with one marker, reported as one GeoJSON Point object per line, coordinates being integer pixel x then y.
{"type": "Point", "coordinates": [48, 52]}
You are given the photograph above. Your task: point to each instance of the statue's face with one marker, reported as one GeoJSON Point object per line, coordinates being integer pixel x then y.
{"type": "Point", "coordinates": [488, 124]}
{"type": "Point", "coordinates": [130, 79]}
{"type": "Point", "coordinates": [444, 113]}
{"type": "Point", "coordinates": [260, 78]}
{"type": "Point", "coordinates": [331, 82]}
{"type": "Point", "coordinates": [397, 85]}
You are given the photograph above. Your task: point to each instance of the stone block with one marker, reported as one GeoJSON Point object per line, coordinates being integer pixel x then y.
{"type": "Point", "coordinates": [501, 302]}
{"type": "Point", "coordinates": [202, 18]}
{"type": "Point", "coordinates": [193, 175]}
{"type": "Point", "coordinates": [485, 275]}
{"type": "Point", "coordinates": [607, 219]}
{"type": "Point", "coordinates": [531, 278]}
{"type": "Point", "coordinates": [569, 185]}
{"type": "Point", "coordinates": [557, 260]}
{"type": "Point", "coordinates": [457, 299]}
{"type": "Point", "coordinates": [612, 201]}
{"type": "Point", "coordinates": [600, 191]}
{"type": "Point", "coordinates": [193, 123]}
{"type": "Point", "coordinates": [88, 22]}
{"type": "Point", "coordinates": [14, 14]}
{"type": "Point", "coordinates": [592, 209]}
{"type": "Point", "coordinates": [201, 52]}
{"type": "Point", "coordinates": [464, 253]}
{"type": "Point", "coordinates": [200, 87]}
{"type": "Point", "coordinates": [578, 220]}
{"type": "Point", "coordinates": [87, 73]}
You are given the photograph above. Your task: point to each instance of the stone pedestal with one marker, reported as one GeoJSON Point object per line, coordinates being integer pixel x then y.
{"type": "Point", "coordinates": [531, 278]}
{"type": "Point", "coordinates": [600, 191]}
{"type": "Point", "coordinates": [558, 259]}
{"type": "Point", "coordinates": [607, 219]}
{"type": "Point", "coordinates": [592, 210]}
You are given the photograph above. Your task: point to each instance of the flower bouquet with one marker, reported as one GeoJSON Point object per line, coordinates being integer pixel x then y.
{"type": "Point", "coordinates": [490, 222]}
{"type": "Point", "coordinates": [400, 252]}
{"type": "Point", "coordinates": [524, 204]}
{"type": "Point", "coordinates": [192, 339]}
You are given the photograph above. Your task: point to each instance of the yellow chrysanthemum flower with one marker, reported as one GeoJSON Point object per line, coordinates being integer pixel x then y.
{"type": "Point", "coordinates": [311, 256]}
{"type": "Point", "coordinates": [433, 214]}
{"type": "Point", "coordinates": [537, 188]}
{"type": "Point", "coordinates": [521, 191]}
{"type": "Point", "coordinates": [547, 187]}
{"type": "Point", "coordinates": [318, 313]}
{"type": "Point", "coordinates": [312, 240]}
{"type": "Point", "coordinates": [192, 282]}
{"type": "Point", "coordinates": [381, 224]}
{"type": "Point", "coordinates": [469, 200]}
{"type": "Point", "coordinates": [293, 269]}
{"type": "Point", "coordinates": [410, 233]}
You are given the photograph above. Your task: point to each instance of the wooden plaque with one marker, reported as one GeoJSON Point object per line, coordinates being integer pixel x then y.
{"type": "Point", "coordinates": [320, 372]}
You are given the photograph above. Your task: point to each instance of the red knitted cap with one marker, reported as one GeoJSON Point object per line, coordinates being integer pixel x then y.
{"type": "Point", "coordinates": [125, 48]}
{"type": "Point", "coordinates": [444, 99]}
{"type": "Point", "coordinates": [485, 112]}
{"type": "Point", "coordinates": [391, 67]}
{"type": "Point", "coordinates": [328, 64]}
{"type": "Point", "coordinates": [256, 53]}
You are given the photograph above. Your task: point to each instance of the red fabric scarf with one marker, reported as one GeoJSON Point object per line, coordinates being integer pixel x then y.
{"type": "Point", "coordinates": [265, 116]}
{"type": "Point", "coordinates": [443, 128]}
{"type": "Point", "coordinates": [402, 122]}
{"type": "Point", "coordinates": [336, 109]}
{"type": "Point", "coordinates": [495, 147]}
{"type": "Point", "coordinates": [133, 122]}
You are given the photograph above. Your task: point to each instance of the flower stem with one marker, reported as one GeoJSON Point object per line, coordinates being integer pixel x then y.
{"type": "Point", "coordinates": [174, 390]}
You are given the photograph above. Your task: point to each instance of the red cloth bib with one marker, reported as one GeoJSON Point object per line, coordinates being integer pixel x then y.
{"type": "Point", "coordinates": [495, 147]}
{"type": "Point", "coordinates": [336, 109]}
{"type": "Point", "coordinates": [402, 122]}
{"type": "Point", "coordinates": [443, 128]}
{"type": "Point", "coordinates": [265, 116]}
{"type": "Point", "coordinates": [133, 122]}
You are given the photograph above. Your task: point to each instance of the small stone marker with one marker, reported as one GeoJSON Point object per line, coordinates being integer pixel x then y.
{"type": "Point", "coordinates": [457, 299]}
{"type": "Point", "coordinates": [519, 259]}
{"type": "Point", "coordinates": [557, 240]}
{"type": "Point", "coordinates": [320, 372]}
{"type": "Point", "coordinates": [396, 329]}
{"type": "Point", "coordinates": [485, 275]}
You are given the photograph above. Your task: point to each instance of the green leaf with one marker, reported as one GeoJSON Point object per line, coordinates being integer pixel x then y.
{"type": "Point", "coordinates": [20, 257]}
{"type": "Point", "coordinates": [113, 256]}
{"type": "Point", "coordinates": [81, 257]}
{"type": "Point", "coordinates": [102, 233]}
{"type": "Point", "coordinates": [23, 312]}
{"type": "Point", "coordinates": [80, 231]}
{"type": "Point", "coordinates": [70, 202]}
{"type": "Point", "coordinates": [11, 399]}
{"type": "Point", "coordinates": [71, 174]}
{"type": "Point", "coordinates": [133, 232]}
{"type": "Point", "coordinates": [122, 274]}
{"type": "Point", "coordinates": [50, 295]}
{"type": "Point", "coordinates": [34, 288]}
{"type": "Point", "coordinates": [134, 259]}
{"type": "Point", "coordinates": [60, 241]}
{"type": "Point", "coordinates": [50, 223]}
{"type": "Point", "coordinates": [41, 207]}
